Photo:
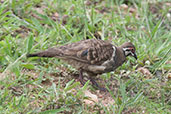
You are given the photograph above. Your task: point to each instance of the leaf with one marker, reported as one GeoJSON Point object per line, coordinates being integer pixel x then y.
{"type": "Point", "coordinates": [54, 111]}
{"type": "Point", "coordinates": [29, 43]}
{"type": "Point", "coordinates": [3, 16]}
{"type": "Point", "coordinates": [69, 83]}
{"type": "Point", "coordinates": [80, 92]}
{"type": "Point", "coordinates": [123, 91]}
{"type": "Point", "coordinates": [154, 31]}
{"type": "Point", "coordinates": [160, 63]}
{"type": "Point", "coordinates": [67, 88]}
{"type": "Point", "coordinates": [136, 98]}
{"type": "Point", "coordinates": [85, 85]}
{"type": "Point", "coordinates": [37, 25]}
{"type": "Point", "coordinates": [167, 66]}
{"type": "Point", "coordinates": [28, 66]}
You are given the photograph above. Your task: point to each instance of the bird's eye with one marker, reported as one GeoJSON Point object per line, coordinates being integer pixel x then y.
{"type": "Point", "coordinates": [132, 49]}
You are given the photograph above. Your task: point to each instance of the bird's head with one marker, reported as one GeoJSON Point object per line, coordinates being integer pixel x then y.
{"type": "Point", "coordinates": [129, 49]}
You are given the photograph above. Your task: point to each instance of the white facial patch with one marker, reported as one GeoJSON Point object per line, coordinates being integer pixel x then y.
{"type": "Point", "coordinates": [127, 51]}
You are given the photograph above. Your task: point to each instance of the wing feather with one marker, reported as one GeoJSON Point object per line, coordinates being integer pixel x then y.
{"type": "Point", "coordinates": [92, 51]}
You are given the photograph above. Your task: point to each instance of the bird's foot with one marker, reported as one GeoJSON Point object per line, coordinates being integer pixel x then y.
{"type": "Point", "coordinates": [81, 81]}
{"type": "Point", "coordinates": [96, 85]}
{"type": "Point", "coordinates": [81, 78]}
{"type": "Point", "coordinates": [102, 89]}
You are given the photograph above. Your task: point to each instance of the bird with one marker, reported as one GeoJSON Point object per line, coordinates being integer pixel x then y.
{"type": "Point", "coordinates": [91, 56]}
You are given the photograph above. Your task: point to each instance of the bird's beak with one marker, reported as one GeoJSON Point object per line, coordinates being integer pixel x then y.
{"type": "Point", "coordinates": [135, 56]}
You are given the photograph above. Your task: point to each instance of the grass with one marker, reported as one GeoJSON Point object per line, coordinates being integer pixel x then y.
{"type": "Point", "coordinates": [37, 85]}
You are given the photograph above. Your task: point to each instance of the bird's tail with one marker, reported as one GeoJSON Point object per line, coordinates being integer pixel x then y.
{"type": "Point", "coordinates": [47, 53]}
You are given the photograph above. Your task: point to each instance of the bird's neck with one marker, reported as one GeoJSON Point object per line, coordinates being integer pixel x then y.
{"type": "Point", "coordinates": [120, 56]}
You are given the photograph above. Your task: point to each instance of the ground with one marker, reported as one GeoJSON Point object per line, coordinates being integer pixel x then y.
{"type": "Point", "coordinates": [42, 85]}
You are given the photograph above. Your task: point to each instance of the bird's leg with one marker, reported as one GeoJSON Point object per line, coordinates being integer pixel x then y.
{"type": "Point", "coordinates": [94, 83]}
{"type": "Point", "coordinates": [81, 77]}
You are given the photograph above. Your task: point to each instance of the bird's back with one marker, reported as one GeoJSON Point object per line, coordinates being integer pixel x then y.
{"type": "Point", "coordinates": [91, 55]}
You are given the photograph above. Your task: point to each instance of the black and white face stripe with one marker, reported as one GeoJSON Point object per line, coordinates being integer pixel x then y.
{"type": "Point", "coordinates": [128, 51]}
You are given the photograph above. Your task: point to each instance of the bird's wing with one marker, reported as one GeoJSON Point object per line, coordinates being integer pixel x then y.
{"type": "Point", "coordinates": [90, 51]}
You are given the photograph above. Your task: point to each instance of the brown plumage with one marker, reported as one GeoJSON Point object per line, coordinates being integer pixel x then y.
{"type": "Point", "coordinates": [92, 56]}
